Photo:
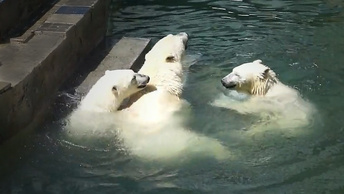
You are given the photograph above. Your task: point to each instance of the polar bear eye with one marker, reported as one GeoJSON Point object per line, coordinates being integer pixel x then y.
{"type": "Point", "coordinates": [114, 88]}
{"type": "Point", "coordinates": [170, 59]}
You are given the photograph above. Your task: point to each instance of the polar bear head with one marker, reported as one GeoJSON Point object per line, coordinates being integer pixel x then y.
{"type": "Point", "coordinates": [252, 78]}
{"type": "Point", "coordinates": [111, 89]}
{"type": "Point", "coordinates": [163, 63]}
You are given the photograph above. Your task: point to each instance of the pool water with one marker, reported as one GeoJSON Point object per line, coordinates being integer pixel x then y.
{"type": "Point", "coordinates": [302, 41]}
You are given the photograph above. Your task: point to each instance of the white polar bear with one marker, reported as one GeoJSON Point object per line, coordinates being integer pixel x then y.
{"type": "Point", "coordinates": [161, 98]}
{"type": "Point", "coordinates": [154, 118]}
{"type": "Point", "coordinates": [104, 98]}
{"type": "Point", "coordinates": [107, 94]}
{"type": "Point", "coordinates": [278, 105]}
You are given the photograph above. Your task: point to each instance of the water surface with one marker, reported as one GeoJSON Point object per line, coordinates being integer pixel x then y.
{"type": "Point", "coordinates": [302, 41]}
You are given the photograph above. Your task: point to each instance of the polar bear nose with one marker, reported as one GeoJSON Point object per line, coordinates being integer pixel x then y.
{"type": "Point", "coordinates": [184, 34]}
{"type": "Point", "coordinates": [223, 82]}
{"type": "Point", "coordinates": [147, 79]}
{"type": "Point", "coordinates": [227, 84]}
{"type": "Point", "coordinates": [142, 80]}
{"type": "Point", "coordinates": [185, 38]}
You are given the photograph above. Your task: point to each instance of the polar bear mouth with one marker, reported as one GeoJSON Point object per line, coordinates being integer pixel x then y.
{"type": "Point", "coordinates": [142, 86]}
{"type": "Point", "coordinates": [228, 85]}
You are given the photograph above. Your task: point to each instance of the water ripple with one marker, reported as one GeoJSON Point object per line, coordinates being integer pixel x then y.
{"type": "Point", "coordinates": [300, 40]}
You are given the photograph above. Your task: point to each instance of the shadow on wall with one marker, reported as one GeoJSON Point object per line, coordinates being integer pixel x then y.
{"type": "Point", "coordinates": [16, 16]}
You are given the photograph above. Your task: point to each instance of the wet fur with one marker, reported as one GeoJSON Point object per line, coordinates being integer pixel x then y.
{"type": "Point", "coordinates": [278, 105]}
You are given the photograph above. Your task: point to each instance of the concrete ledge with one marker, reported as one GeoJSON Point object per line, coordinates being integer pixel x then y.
{"type": "Point", "coordinates": [15, 13]}
{"type": "Point", "coordinates": [25, 37]}
{"type": "Point", "coordinates": [127, 53]}
{"type": "Point", "coordinates": [4, 86]}
{"type": "Point", "coordinates": [31, 73]}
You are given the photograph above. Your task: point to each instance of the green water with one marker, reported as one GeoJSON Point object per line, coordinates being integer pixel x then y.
{"type": "Point", "coordinates": [302, 41]}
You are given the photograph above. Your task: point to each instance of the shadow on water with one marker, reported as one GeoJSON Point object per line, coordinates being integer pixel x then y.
{"type": "Point", "coordinates": [301, 41]}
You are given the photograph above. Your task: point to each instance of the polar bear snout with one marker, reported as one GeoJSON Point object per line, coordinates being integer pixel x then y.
{"type": "Point", "coordinates": [184, 35]}
{"type": "Point", "coordinates": [229, 81]}
{"type": "Point", "coordinates": [185, 38]}
{"type": "Point", "coordinates": [141, 80]}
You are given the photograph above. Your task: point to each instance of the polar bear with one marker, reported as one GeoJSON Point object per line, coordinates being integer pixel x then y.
{"type": "Point", "coordinates": [278, 105]}
{"type": "Point", "coordinates": [104, 98]}
{"type": "Point", "coordinates": [154, 118]}
{"type": "Point", "coordinates": [163, 64]}
{"type": "Point", "coordinates": [107, 94]}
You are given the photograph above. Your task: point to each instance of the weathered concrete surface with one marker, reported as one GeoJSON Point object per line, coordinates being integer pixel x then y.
{"type": "Point", "coordinates": [26, 36]}
{"type": "Point", "coordinates": [14, 13]}
{"type": "Point", "coordinates": [35, 70]}
{"type": "Point", "coordinates": [4, 86]}
{"type": "Point", "coordinates": [127, 53]}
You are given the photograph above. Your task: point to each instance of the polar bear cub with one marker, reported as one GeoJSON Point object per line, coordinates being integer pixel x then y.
{"type": "Point", "coordinates": [268, 97]}
{"type": "Point", "coordinates": [107, 94]}
{"type": "Point", "coordinates": [96, 109]}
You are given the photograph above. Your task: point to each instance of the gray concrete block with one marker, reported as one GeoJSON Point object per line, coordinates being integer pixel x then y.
{"type": "Point", "coordinates": [126, 53]}
{"type": "Point", "coordinates": [64, 18]}
{"type": "Point", "coordinates": [15, 12]}
{"type": "Point", "coordinates": [31, 31]}
{"type": "Point", "coordinates": [26, 57]}
{"type": "Point", "coordinates": [62, 12]}
{"type": "Point", "coordinates": [54, 27]}
{"type": "Point", "coordinates": [23, 38]}
{"type": "Point", "coordinates": [4, 86]}
{"type": "Point", "coordinates": [79, 2]}
{"type": "Point", "coordinates": [72, 9]}
{"type": "Point", "coordinates": [38, 68]}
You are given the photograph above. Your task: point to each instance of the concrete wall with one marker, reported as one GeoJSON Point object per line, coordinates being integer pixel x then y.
{"type": "Point", "coordinates": [35, 70]}
{"type": "Point", "coordinates": [17, 12]}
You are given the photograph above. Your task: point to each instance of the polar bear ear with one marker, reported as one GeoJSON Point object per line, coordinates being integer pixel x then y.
{"type": "Point", "coordinates": [268, 73]}
{"type": "Point", "coordinates": [258, 61]}
{"type": "Point", "coordinates": [106, 72]}
{"type": "Point", "coordinates": [170, 59]}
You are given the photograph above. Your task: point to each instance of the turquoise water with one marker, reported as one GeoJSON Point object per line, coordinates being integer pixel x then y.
{"type": "Point", "coordinates": [302, 42]}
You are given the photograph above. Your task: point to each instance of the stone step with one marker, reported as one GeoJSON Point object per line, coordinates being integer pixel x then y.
{"type": "Point", "coordinates": [127, 53]}
{"type": "Point", "coordinates": [4, 86]}
{"type": "Point", "coordinates": [33, 68]}
{"type": "Point", "coordinates": [17, 15]}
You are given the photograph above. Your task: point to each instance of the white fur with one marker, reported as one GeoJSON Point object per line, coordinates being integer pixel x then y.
{"type": "Point", "coordinates": [162, 96]}
{"type": "Point", "coordinates": [169, 141]}
{"type": "Point", "coordinates": [106, 95]}
{"type": "Point", "coordinates": [102, 98]}
{"type": "Point", "coordinates": [278, 105]}
{"type": "Point", "coordinates": [153, 127]}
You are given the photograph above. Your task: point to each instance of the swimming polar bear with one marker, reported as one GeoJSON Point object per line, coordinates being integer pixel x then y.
{"type": "Point", "coordinates": [96, 109]}
{"type": "Point", "coordinates": [278, 105]}
{"type": "Point", "coordinates": [162, 97]}
{"type": "Point", "coordinates": [154, 118]}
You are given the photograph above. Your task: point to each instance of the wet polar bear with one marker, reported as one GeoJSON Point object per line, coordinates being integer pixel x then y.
{"type": "Point", "coordinates": [96, 109]}
{"type": "Point", "coordinates": [161, 98]}
{"type": "Point", "coordinates": [155, 116]}
{"type": "Point", "coordinates": [278, 105]}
